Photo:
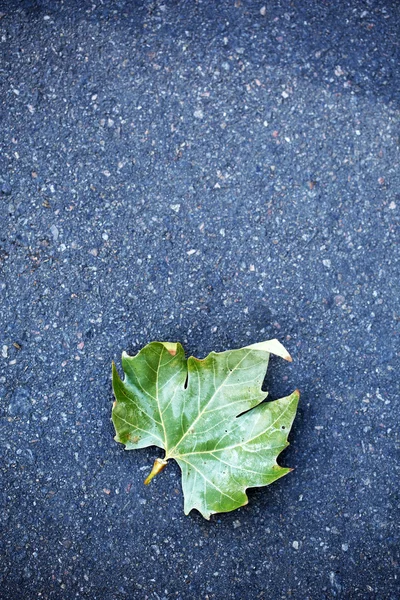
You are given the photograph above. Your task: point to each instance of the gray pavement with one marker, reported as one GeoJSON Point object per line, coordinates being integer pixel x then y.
{"type": "Point", "coordinates": [214, 173]}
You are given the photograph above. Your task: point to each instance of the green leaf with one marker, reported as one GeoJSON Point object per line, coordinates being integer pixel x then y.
{"type": "Point", "coordinates": [198, 411]}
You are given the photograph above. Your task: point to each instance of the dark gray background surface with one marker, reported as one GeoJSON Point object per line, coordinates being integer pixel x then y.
{"type": "Point", "coordinates": [214, 173]}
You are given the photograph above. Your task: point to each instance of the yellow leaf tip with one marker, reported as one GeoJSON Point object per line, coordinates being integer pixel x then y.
{"type": "Point", "coordinates": [272, 347]}
{"type": "Point", "coordinates": [171, 347]}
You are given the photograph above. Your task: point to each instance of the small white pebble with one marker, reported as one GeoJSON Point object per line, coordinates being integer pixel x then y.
{"type": "Point", "coordinates": [198, 114]}
{"type": "Point", "coordinates": [327, 263]}
{"type": "Point", "coordinates": [190, 252]}
{"type": "Point", "coordinates": [295, 545]}
{"type": "Point", "coordinates": [175, 207]}
{"type": "Point", "coordinates": [4, 351]}
{"type": "Point", "coordinates": [392, 205]}
{"type": "Point", "coordinates": [236, 524]}
{"type": "Point", "coordinates": [345, 547]}
{"type": "Point", "coordinates": [54, 232]}
{"type": "Point", "coordinates": [263, 11]}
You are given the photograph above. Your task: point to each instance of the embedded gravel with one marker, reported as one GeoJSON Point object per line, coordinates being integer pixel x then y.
{"type": "Point", "coordinates": [214, 173]}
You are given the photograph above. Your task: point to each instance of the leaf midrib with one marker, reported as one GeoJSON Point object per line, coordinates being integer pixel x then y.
{"type": "Point", "coordinates": [158, 403]}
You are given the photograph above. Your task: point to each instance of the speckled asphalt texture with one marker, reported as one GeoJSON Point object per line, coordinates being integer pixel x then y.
{"type": "Point", "coordinates": [214, 173]}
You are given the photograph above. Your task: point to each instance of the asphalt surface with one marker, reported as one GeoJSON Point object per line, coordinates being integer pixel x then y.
{"type": "Point", "coordinates": [214, 173]}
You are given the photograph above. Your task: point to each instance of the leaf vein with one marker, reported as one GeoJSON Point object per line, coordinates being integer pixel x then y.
{"type": "Point", "coordinates": [138, 406]}
{"type": "Point", "coordinates": [236, 466]}
{"type": "Point", "coordinates": [208, 480]}
{"type": "Point", "coordinates": [170, 379]}
{"type": "Point", "coordinates": [210, 400]}
{"type": "Point", "coordinates": [158, 399]}
{"type": "Point", "coordinates": [240, 443]}
{"type": "Point", "coordinates": [138, 428]}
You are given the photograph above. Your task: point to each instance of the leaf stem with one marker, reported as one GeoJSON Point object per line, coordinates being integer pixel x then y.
{"type": "Point", "coordinates": [159, 465]}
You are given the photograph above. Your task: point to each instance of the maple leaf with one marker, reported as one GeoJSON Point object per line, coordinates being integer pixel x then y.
{"type": "Point", "coordinates": [209, 416]}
